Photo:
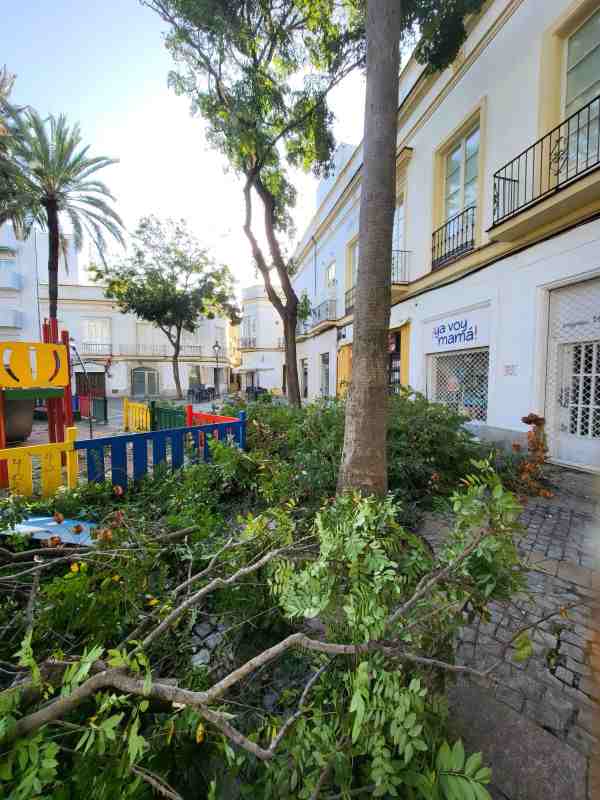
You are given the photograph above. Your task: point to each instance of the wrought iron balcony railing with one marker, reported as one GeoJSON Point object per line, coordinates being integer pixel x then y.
{"type": "Point", "coordinates": [454, 237]}
{"type": "Point", "coordinates": [324, 312]}
{"type": "Point", "coordinates": [567, 152]}
{"type": "Point", "coordinates": [247, 342]}
{"type": "Point", "coordinates": [400, 275]}
{"type": "Point", "coordinates": [96, 348]}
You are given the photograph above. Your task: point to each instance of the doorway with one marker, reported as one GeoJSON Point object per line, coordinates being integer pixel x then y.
{"type": "Point", "coordinates": [573, 375]}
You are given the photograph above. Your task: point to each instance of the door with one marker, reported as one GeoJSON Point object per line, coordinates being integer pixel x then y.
{"type": "Point", "coordinates": [92, 383]}
{"type": "Point", "coordinates": [572, 407]}
{"type": "Point", "coordinates": [578, 439]}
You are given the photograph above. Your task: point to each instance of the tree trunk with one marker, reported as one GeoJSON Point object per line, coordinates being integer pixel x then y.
{"type": "Point", "coordinates": [291, 361]}
{"type": "Point", "coordinates": [175, 361]}
{"type": "Point", "coordinates": [53, 256]}
{"type": "Point", "coordinates": [364, 458]}
{"type": "Point", "coordinates": [288, 312]}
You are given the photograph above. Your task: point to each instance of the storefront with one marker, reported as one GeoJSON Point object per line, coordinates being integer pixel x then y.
{"type": "Point", "coordinates": [457, 369]}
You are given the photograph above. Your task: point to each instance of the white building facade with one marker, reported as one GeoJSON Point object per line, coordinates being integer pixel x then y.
{"type": "Point", "coordinates": [128, 356]}
{"type": "Point", "coordinates": [496, 245]}
{"type": "Point", "coordinates": [260, 343]}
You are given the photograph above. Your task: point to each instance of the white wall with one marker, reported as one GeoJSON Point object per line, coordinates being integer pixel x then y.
{"type": "Point", "coordinates": [515, 293]}
{"type": "Point", "coordinates": [312, 349]}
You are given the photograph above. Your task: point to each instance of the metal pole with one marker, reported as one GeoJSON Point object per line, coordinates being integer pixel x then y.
{"type": "Point", "coordinates": [89, 388]}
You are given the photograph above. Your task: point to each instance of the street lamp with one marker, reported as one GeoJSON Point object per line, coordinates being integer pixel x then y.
{"type": "Point", "coordinates": [217, 349]}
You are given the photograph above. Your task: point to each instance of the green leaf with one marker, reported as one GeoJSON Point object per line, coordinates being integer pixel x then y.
{"type": "Point", "coordinates": [458, 757]}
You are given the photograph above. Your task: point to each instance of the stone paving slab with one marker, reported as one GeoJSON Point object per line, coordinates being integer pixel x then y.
{"type": "Point", "coordinates": [555, 692]}
{"type": "Point", "coordinates": [528, 762]}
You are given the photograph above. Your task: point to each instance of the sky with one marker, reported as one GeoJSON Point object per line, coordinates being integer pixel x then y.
{"type": "Point", "coordinates": [105, 66]}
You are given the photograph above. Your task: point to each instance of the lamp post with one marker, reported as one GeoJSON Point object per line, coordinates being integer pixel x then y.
{"type": "Point", "coordinates": [217, 350]}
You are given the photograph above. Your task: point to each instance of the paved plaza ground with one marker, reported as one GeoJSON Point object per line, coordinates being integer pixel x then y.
{"type": "Point", "coordinates": [537, 722]}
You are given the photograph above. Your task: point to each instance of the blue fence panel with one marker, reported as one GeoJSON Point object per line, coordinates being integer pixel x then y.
{"type": "Point", "coordinates": [173, 441]}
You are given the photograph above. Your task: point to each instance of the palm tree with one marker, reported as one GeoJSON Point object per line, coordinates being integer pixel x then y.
{"type": "Point", "coordinates": [55, 188]}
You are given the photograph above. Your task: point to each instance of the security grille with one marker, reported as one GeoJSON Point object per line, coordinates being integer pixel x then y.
{"type": "Point", "coordinates": [583, 396]}
{"type": "Point", "coordinates": [459, 379]}
{"type": "Point", "coordinates": [572, 407]}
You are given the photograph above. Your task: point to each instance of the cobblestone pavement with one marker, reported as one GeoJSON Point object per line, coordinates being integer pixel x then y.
{"type": "Point", "coordinates": [554, 688]}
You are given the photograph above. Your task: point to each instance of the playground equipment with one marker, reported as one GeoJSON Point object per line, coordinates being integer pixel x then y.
{"type": "Point", "coordinates": [30, 370]}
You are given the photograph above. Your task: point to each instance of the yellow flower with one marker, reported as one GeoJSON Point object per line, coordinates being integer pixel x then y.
{"type": "Point", "coordinates": [116, 578]}
{"type": "Point", "coordinates": [74, 568]}
{"type": "Point", "coordinates": [152, 601]}
{"type": "Point", "coordinates": [200, 733]}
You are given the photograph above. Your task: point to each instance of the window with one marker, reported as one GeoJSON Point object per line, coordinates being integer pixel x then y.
{"type": "Point", "coordinates": [96, 331]}
{"type": "Point", "coordinates": [330, 275]}
{"type": "Point", "coordinates": [582, 85]}
{"type": "Point", "coordinates": [395, 361]}
{"type": "Point", "coordinates": [398, 235]}
{"type": "Point", "coordinates": [325, 375]}
{"type": "Point", "coordinates": [144, 382]}
{"type": "Point", "coordinates": [459, 379]}
{"type": "Point", "coordinates": [304, 377]}
{"type": "Point", "coordinates": [583, 65]}
{"type": "Point", "coordinates": [461, 175]}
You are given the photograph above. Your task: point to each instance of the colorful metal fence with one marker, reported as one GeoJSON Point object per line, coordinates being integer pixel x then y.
{"type": "Point", "coordinates": [120, 459]}
{"type": "Point", "coordinates": [165, 417]}
{"type": "Point", "coordinates": [56, 464]}
{"type": "Point", "coordinates": [136, 416]}
{"type": "Point", "coordinates": [132, 456]}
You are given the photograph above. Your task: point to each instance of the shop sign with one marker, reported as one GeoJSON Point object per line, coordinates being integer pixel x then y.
{"type": "Point", "coordinates": [458, 332]}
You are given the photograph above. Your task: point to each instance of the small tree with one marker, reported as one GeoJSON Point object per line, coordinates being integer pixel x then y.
{"type": "Point", "coordinates": [388, 22]}
{"type": "Point", "coordinates": [259, 72]}
{"type": "Point", "coordinates": [170, 281]}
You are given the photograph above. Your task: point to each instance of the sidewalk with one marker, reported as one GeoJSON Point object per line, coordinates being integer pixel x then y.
{"type": "Point", "coordinates": [535, 724]}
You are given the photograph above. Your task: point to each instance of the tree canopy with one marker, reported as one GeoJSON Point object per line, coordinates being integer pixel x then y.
{"type": "Point", "coordinates": [169, 280]}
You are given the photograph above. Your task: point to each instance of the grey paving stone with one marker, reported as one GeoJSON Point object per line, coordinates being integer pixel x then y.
{"type": "Point", "coordinates": [528, 763]}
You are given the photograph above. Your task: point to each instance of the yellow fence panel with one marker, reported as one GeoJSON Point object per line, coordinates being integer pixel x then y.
{"type": "Point", "coordinates": [29, 365]}
{"type": "Point", "coordinates": [136, 416]}
{"type": "Point", "coordinates": [20, 462]}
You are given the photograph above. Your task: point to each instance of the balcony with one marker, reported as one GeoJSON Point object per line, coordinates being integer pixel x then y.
{"type": "Point", "coordinates": [454, 238]}
{"type": "Point", "coordinates": [161, 350]}
{"type": "Point", "coordinates": [95, 348]}
{"type": "Point", "coordinates": [554, 176]}
{"type": "Point", "coordinates": [324, 312]}
{"type": "Point", "coordinates": [247, 342]}
{"type": "Point", "coordinates": [400, 277]}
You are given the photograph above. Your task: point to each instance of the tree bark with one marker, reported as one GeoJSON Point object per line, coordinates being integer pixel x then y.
{"type": "Point", "coordinates": [53, 255]}
{"type": "Point", "coordinates": [175, 361]}
{"type": "Point", "coordinates": [288, 311]}
{"type": "Point", "coordinates": [364, 458]}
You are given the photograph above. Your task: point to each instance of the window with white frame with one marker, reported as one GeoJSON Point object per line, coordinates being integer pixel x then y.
{"type": "Point", "coordinates": [96, 331]}
{"type": "Point", "coordinates": [461, 174]}
{"type": "Point", "coordinates": [398, 235]}
{"type": "Point", "coordinates": [581, 91]}
{"type": "Point", "coordinates": [459, 379]}
{"type": "Point", "coordinates": [330, 275]}
{"type": "Point", "coordinates": [583, 65]}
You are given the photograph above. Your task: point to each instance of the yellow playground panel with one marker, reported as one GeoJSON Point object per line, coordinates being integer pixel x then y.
{"type": "Point", "coordinates": [33, 365]}
{"type": "Point", "coordinates": [136, 416]}
{"type": "Point", "coordinates": [20, 463]}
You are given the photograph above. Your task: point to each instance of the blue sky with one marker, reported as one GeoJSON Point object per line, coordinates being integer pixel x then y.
{"type": "Point", "coordinates": [104, 65]}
